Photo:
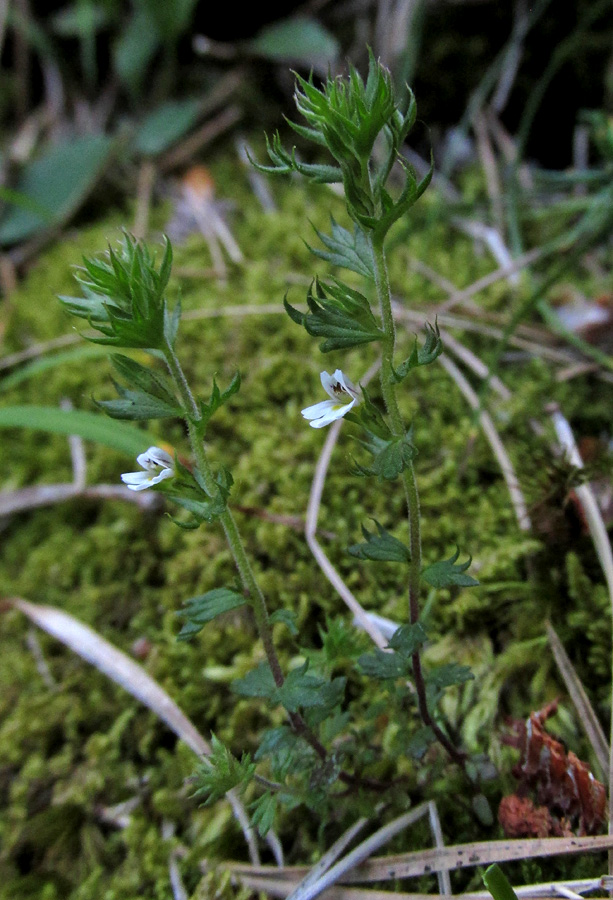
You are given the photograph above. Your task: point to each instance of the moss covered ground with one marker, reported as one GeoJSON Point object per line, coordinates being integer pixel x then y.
{"type": "Point", "coordinates": [71, 749]}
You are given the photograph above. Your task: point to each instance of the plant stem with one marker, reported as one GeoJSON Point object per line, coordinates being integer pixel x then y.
{"type": "Point", "coordinates": [256, 597]}
{"type": "Point", "coordinates": [252, 589]}
{"type": "Point", "coordinates": [388, 389]}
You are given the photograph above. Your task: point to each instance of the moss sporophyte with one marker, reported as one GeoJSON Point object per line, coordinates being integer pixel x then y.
{"type": "Point", "coordinates": [126, 301]}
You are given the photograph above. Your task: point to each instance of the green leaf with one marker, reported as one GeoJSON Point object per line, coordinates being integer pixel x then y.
{"type": "Point", "coordinates": [136, 45]}
{"type": "Point", "coordinates": [166, 125]}
{"type": "Point", "coordinates": [46, 363]}
{"type": "Point", "coordinates": [390, 458]}
{"type": "Point", "coordinates": [263, 813]}
{"type": "Point", "coordinates": [287, 617]}
{"type": "Point", "coordinates": [221, 773]}
{"type": "Point", "coordinates": [351, 251]}
{"type": "Point", "coordinates": [89, 426]}
{"type": "Point", "coordinates": [144, 378]}
{"type": "Point", "coordinates": [338, 313]}
{"type": "Point", "coordinates": [57, 182]}
{"type": "Point", "coordinates": [302, 690]}
{"type": "Point", "coordinates": [419, 742]}
{"type": "Point", "coordinates": [407, 639]}
{"type": "Point", "coordinates": [257, 683]}
{"type": "Point", "coordinates": [216, 400]}
{"type": "Point", "coordinates": [421, 356]}
{"type": "Point", "coordinates": [202, 510]}
{"type": "Point", "coordinates": [382, 665]}
{"type": "Point", "coordinates": [380, 547]}
{"type": "Point", "coordinates": [137, 405]}
{"type": "Point", "coordinates": [498, 884]}
{"type": "Point", "coordinates": [298, 40]}
{"type": "Point", "coordinates": [448, 675]}
{"type": "Point", "coordinates": [446, 574]}
{"type": "Point", "coordinates": [202, 609]}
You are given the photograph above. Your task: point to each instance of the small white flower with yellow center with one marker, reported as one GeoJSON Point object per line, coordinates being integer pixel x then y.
{"type": "Point", "coordinates": [158, 465]}
{"type": "Point", "coordinates": [345, 395]}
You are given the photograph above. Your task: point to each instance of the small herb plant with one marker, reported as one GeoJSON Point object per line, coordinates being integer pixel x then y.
{"type": "Point", "coordinates": [318, 754]}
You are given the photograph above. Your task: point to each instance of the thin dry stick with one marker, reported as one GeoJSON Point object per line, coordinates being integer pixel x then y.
{"type": "Point", "coordinates": [489, 429]}
{"type": "Point", "coordinates": [459, 856]}
{"type": "Point", "coordinates": [444, 881]}
{"type": "Point", "coordinates": [361, 853]}
{"type": "Point", "coordinates": [124, 671]}
{"type": "Point", "coordinates": [585, 710]}
{"type": "Point", "coordinates": [599, 535]}
{"type": "Point", "coordinates": [473, 362]}
{"type": "Point", "coordinates": [506, 270]}
{"type": "Point", "coordinates": [490, 169]}
{"type": "Point", "coordinates": [185, 152]}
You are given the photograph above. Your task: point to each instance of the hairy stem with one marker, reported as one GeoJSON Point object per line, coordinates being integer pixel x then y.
{"type": "Point", "coordinates": [256, 597]}
{"type": "Point", "coordinates": [252, 589]}
{"type": "Point", "coordinates": [388, 389]}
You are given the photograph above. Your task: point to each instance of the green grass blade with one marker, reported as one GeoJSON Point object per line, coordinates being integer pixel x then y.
{"type": "Point", "coordinates": [45, 363]}
{"type": "Point", "coordinates": [497, 884]}
{"type": "Point", "coordinates": [90, 426]}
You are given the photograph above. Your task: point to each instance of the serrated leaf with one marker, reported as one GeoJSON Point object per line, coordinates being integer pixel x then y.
{"type": "Point", "coordinates": [202, 609]}
{"type": "Point", "coordinates": [222, 772]}
{"type": "Point", "coordinates": [257, 683]}
{"type": "Point", "coordinates": [137, 406]}
{"type": "Point", "coordinates": [217, 400]}
{"type": "Point", "coordinates": [202, 510]}
{"type": "Point", "coordinates": [351, 251]}
{"type": "Point", "coordinates": [448, 675]}
{"type": "Point", "coordinates": [390, 458]}
{"type": "Point", "coordinates": [382, 665]}
{"type": "Point", "coordinates": [421, 356]}
{"type": "Point", "coordinates": [144, 378]}
{"type": "Point", "coordinates": [301, 690]}
{"type": "Point", "coordinates": [381, 547]}
{"type": "Point", "coordinates": [287, 617]}
{"type": "Point", "coordinates": [263, 812]}
{"type": "Point", "coordinates": [446, 574]}
{"type": "Point", "coordinates": [338, 313]}
{"type": "Point", "coordinates": [407, 639]}
{"type": "Point", "coordinates": [419, 742]}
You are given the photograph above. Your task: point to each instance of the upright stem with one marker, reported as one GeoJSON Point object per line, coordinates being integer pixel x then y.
{"type": "Point", "coordinates": [256, 597]}
{"type": "Point", "coordinates": [388, 389]}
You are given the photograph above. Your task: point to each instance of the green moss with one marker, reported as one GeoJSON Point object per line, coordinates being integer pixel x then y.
{"type": "Point", "coordinates": [84, 745]}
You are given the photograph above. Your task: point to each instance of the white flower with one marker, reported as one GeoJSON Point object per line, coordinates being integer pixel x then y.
{"type": "Point", "coordinates": [345, 395]}
{"type": "Point", "coordinates": [157, 464]}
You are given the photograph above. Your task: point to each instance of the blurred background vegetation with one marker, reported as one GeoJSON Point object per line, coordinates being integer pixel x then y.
{"type": "Point", "coordinates": [93, 89]}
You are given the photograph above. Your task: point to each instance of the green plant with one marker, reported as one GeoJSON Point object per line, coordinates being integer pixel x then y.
{"type": "Point", "coordinates": [124, 298]}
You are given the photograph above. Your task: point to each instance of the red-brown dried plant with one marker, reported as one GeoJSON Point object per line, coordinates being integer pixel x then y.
{"type": "Point", "coordinates": [566, 798]}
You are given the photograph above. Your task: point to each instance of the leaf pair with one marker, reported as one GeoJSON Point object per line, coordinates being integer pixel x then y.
{"type": "Point", "coordinates": [339, 314]}
{"type": "Point", "coordinates": [300, 690]}
{"type": "Point", "coordinates": [150, 395]}
{"type": "Point", "coordinates": [191, 493]}
{"type": "Point", "coordinates": [421, 356]}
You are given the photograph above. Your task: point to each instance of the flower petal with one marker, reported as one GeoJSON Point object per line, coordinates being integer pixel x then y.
{"type": "Point", "coordinates": [338, 386]}
{"type": "Point", "coordinates": [155, 456]}
{"type": "Point", "coordinates": [136, 481]}
{"type": "Point", "coordinates": [319, 409]}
